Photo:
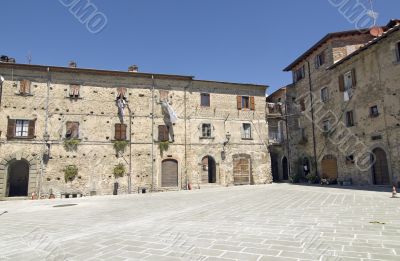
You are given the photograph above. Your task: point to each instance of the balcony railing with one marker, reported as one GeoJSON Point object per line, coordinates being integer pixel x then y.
{"type": "Point", "coordinates": [275, 108]}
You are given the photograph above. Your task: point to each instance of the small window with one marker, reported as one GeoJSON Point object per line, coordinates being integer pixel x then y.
{"type": "Point", "coordinates": [72, 130]}
{"type": "Point", "coordinates": [373, 111]}
{"type": "Point", "coordinates": [120, 131]}
{"type": "Point", "coordinates": [324, 94]}
{"type": "Point", "coordinates": [25, 87]}
{"type": "Point", "coordinates": [206, 130]}
{"type": "Point", "coordinates": [299, 74]}
{"type": "Point", "coordinates": [205, 99]}
{"type": "Point", "coordinates": [398, 51]}
{"type": "Point", "coordinates": [349, 119]}
{"type": "Point", "coordinates": [376, 137]}
{"type": "Point", "coordinates": [302, 103]}
{"type": "Point", "coordinates": [350, 159]}
{"type": "Point", "coordinates": [245, 102]}
{"type": "Point", "coordinates": [326, 125]}
{"type": "Point", "coordinates": [319, 60]}
{"type": "Point", "coordinates": [163, 133]}
{"type": "Point", "coordinates": [21, 128]}
{"type": "Point", "coordinates": [74, 91]}
{"type": "Point", "coordinates": [246, 134]}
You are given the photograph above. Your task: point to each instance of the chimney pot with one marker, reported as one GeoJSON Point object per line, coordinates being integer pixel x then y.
{"type": "Point", "coordinates": [72, 64]}
{"type": "Point", "coordinates": [133, 68]}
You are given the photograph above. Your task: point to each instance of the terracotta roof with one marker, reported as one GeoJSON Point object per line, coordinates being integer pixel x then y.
{"type": "Point", "coordinates": [367, 45]}
{"type": "Point", "coordinates": [321, 42]}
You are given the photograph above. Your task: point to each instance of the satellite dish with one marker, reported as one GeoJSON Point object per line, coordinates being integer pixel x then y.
{"type": "Point", "coordinates": [376, 31]}
{"type": "Point", "coordinates": [1, 79]}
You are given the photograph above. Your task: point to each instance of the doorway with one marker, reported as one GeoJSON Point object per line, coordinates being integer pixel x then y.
{"type": "Point", "coordinates": [18, 179]}
{"type": "Point", "coordinates": [285, 169]}
{"type": "Point", "coordinates": [169, 173]}
{"type": "Point", "coordinates": [380, 168]}
{"type": "Point", "coordinates": [209, 173]}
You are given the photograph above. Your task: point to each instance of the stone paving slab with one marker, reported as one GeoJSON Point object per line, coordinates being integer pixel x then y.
{"type": "Point", "coordinates": [270, 222]}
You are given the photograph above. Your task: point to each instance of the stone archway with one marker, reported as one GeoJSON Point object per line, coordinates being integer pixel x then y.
{"type": "Point", "coordinates": [209, 170]}
{"type": "Point", "coordinates": [11, 164]}
{"type": "Point", "coordinates": [380, 169]}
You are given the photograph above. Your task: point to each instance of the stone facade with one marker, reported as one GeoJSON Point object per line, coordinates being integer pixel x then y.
{"type": "Point", "coordinates": [51, 106]}
{"type": "Point", "coordinates": [350, 108]}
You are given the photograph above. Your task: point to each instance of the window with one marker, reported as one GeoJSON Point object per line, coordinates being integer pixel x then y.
{"type": "Point", "coordinates": [205, 99]}
{"type": "Point", "coordinates": [319, 60]}
{"type": "Point", "coordinates": [350, 159]}
{"type": "Point", "coordinates": [25, 87]}
{"type": "Point", "coordinates": [246, 131]}
{"type": "Point", "coordinates": [164, 95]}
{"type": "Point", "coordinates": [398, 51]}
{"type": "Point", "coordinates": [206, 130]}
{"type": "Point", "coordinates": [21, 128]}
{"type": "Point", "coordinates": [326, 125]}
{"type": "Point", "coordinates": [324, 94]}
{"type": "Point", "coordinates": [246, 102]}
{"type": "Point", "coordinates": [120, 131]}
{"type": "Point", "coordinates": [121, 93]}
{"type": "Point", "coordinates": [74, 91]}
{"type": "Point", "coordinates": [373, 111]}
{"type": "Point", "coordinates": [72, 130]}
{"type": "Point", "coordinates": [163, 133]}
{"type": "Point", "coordinates": [299, 74]}
{"type": "Point", "coordinates": [302, 104]}
{"type": "Point", "coordinates": [376, 137]}
{"type": "Point", "coordinates": [349, 119]}
{"type": "Point", "coordinates": [347, 81]}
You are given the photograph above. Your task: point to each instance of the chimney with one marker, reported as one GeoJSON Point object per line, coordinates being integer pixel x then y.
{"type": "Point", "coordinates": [72, 64]}
{"type": "Point", "coordinates": [133, 68]}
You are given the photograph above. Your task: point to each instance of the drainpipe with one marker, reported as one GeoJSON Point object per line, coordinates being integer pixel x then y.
{"type": "Point", "coordinates": [130, 151]}
{"type": "Point", "coordinates": [46, 133]}
{"type": "Point", "coordinates": [1, 88]}
{"type": "Point", "coordinates": [313, 121]}
{"type": "Point", "coordinates": [287, 136]}
{"type": "Point", "coordinates": [185, 120]}
{"type": "Point", "coordinates": [152, 133]}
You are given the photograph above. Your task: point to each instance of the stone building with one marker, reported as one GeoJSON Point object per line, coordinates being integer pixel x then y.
{"type": "Point", "coordinates": [69, 130]}
{"type": "Point", "coordinates": [348, 94]}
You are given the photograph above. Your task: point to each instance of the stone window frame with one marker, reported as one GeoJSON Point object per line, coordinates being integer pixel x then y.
{"type": "Point", "coordinates": [212, 131]}
{"type": "Point", "coordinates": [319, 60]}
{"type": "Point", "coordinates": [325, 98]}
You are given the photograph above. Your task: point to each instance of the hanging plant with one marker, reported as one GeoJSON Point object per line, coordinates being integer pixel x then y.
{"type": "Point", "coordinates": [119, 170]}
{"type": "Point", "coordinates": [164, 145]}
{"type": "Point", "coordinates": [71, 144]}
{"type": "Point", "coordinates": [70, 172]}
{"type": "Point", "coordinates": [120, 145]}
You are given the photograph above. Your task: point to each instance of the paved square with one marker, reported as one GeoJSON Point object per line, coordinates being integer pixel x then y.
{"type": "Point", "coordinates": [270, 222]}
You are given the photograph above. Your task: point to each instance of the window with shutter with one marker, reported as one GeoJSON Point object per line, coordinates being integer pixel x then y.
{"type": "Point", "coordinates": [72, 130]}
{"type": "Point", "coordinates": [246, 131]}
{"type": "Point", "coordinates": [163, 133]}
{"type": "Point", "coordinates": [120, 131]}
{"type": "Point", "coordinates": [206, 130]}
{"type": "Point", "coordinates": [205, 99]}
{"type": "Point", "coordinates": [353, 78]}
{"type": "Point", "coordinates": [252, 103]}
{"type": "Point", "coordinates": [25, 87]}
{"type": "Point", "coordinates": [74, 90]}
{"type": "Point", "coordinates": [245, 102]}
{"type": "Point", "coordinates": [121, 93]}
{"type": "Point", "coordinates": [341, 83]}
{"type": "Point", "coordinates": [319, 60]}
{"type": "Point", "coordinates": [349, 119]}
{"type": "Point", "coordinates": [31, 129]}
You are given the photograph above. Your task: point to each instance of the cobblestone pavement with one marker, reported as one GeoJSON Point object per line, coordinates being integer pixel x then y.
{"type": "Point", "coordinates": [270, 222]}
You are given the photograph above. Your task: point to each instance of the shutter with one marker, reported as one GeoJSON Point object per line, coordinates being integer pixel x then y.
{"type": "Point", "coordinates": [117, 131]}
{"type": "Point", "coordinates": [341, 83]}
{"type": "Point", "coordinates": [11, 129]}
{"type": "Point", "coordinates": [252, 103]}
{"type": "Point", "coordinates": [163, 133]}
{"type": "Point", "coordinates": [25, 87]}
{"type": "Point", "coordinates": [31, 129]}
{"type": "Point", "coordinates": [22, 86]}
{"type": "Point", "coordinates": [353, 77]}
{"type": "Point", "coordinates": [239, 102]}
{"type": "Point", "coordinates": [123, 131]}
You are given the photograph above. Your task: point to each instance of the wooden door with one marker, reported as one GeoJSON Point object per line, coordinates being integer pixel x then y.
{"type": "Point", "coordinates": [380, 168]}
{"type": "Point", "coordinates": [329, 168]}
{"type": "Point", "coordinates": [169, 174]}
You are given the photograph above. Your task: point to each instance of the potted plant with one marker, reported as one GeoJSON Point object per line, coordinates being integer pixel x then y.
{"type": "Point", "coordinates": [164, 145]}
{"type": "Point", "coordinates": [119, 170]}
{"type": "Point", "coordinates": [120, 145]}
{"type": "Point", "coordinates": [71, 144]}
{"type": "Point", "coordinates": [311, 178]}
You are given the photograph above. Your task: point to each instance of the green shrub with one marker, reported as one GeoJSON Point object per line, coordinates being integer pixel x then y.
{"type": "Point", "coordinates": [71, 144]}
{"type": "Point", "coordinates": [312, 178]}
{"type": "Point", "coordinates": [119, 170]}
{"type": "Point", "coordinates": [120, 145]}
{"type": "Point", "coordinates": [70, 172]}
{"type": "Point", "coordinates": [294, 178]}
{"type": "Point", "coordinates": [164, 145]}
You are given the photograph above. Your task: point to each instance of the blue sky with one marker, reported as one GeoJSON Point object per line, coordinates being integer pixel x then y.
{"type": "Point", "coordinates": [224, 40]}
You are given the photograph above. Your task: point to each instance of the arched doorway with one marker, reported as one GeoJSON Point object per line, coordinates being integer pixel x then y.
{"type": "Point", "coordinates": [380, 168]}
{"type": "Point", "coordinates": [208, 167]}
{"type": "Point", "coordinates": [18, 178]}
{"type": "Point", "coordinates": [274, 168]}
{"type": "Point", "coordinates": [169, 173]}
{"type": "Point", "coordinates": [285, 168]}
{"type": "Point", "coordinates": [329, 167]}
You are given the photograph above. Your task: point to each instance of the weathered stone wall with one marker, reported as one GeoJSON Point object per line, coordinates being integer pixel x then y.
{"type": "Point", "coordinates": [96, 112]}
